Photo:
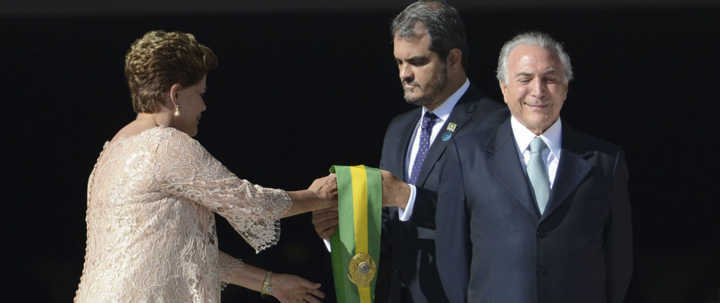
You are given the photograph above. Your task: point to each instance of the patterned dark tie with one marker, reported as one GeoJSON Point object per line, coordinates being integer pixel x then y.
{"type": "Point", "coordinates": [426, 128]}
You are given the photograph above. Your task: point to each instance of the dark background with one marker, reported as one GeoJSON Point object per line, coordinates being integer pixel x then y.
{"type": "Point", "coordinates": [300, 89]}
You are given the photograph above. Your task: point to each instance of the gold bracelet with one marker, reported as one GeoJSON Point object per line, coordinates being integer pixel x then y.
{"type": "Point", "coordinates": [266, 287]}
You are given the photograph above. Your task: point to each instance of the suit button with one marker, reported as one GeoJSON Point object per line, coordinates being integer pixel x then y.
{"type": "Point", "coordinates": [541, 234]}
{"type": "Point", "coordinates": [541, 270]}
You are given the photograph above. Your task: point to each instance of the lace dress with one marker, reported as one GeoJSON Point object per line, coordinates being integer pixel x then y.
{"type": "Point", "coordinates": [150, 224]}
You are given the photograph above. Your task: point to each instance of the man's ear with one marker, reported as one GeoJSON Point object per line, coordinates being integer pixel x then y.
{"type": "Point", "coordinates": [503, 89]}
{"type": "Point", "coordinates": [454, 58]}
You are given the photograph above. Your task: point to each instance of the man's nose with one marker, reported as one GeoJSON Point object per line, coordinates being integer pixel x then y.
{"type": "Point", "coordinates": [539, 88]}
{"type": "Point", "coordinates": [406, 73]}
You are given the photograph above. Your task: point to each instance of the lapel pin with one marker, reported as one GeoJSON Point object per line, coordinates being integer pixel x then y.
{"type": "Point", "coordinates": [446, 135]}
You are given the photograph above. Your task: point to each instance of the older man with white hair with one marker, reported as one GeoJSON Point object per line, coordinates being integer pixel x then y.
{"type": "Point", "coordinates": [543, 208]}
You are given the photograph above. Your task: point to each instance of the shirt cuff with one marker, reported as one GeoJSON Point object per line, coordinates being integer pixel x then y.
{"type": "Point", "coordinates": [406, 214]}
{"type": "Point", "coordinates": [327, 245]}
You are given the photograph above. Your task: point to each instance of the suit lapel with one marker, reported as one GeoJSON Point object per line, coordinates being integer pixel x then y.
{"type": "Point", "coordinates": [574, 166]}
{"type": "Point", "coordinates": [504, 163]}
{"type": "Point", "coordinates": [406, 133]}
{"type": "Point", "coordinates": [460, 115]}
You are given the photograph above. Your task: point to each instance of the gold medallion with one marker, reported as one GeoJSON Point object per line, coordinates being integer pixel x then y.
{"type": "Point", "coordinates": [362, 270]}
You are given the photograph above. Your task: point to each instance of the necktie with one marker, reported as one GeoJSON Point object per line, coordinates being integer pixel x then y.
{"type": "Point", "coordinates": [427, 123]}
{"type": "Point", "coordinates": [537, 172]}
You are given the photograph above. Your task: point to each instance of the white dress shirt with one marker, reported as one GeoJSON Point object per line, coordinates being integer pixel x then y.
{"type": "Point", "coordinates": [552, 138]}
{"type": "Point", "coordinates": [443, 113]}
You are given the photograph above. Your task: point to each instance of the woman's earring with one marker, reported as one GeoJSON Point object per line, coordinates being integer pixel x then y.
{"type": "Point", "coordinates": [177, 111]}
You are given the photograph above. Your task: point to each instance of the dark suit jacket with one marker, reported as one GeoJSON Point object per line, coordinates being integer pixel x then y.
{"type": "Point", "coordinates": [578, 250]}
{"type": "Point", "coordinates": [408, 270]}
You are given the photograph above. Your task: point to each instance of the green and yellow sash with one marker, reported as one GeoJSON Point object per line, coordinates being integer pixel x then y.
{"type": "Point", "coordinates": [356, 244]}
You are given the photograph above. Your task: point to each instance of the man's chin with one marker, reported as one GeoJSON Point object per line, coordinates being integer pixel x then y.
{"type": "Point", "coordinates": [420, 101]}
{"type": "Point", "coordinates": [414, 100]}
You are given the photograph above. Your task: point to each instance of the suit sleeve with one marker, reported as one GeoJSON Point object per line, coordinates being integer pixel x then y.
{"type": "Point", "coordinates": [619, 247]}
{"type": "Point", "coordinates": [384, 275]}
{"type": "Point", "coordinates": [424, 210]}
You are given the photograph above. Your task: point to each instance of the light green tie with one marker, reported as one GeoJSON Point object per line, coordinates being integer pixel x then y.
{"type": "Point", "coordinates": [537, 172]}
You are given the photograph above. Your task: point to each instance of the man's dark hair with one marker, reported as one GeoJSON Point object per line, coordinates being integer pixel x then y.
{"type": "Point", "coordinates": [444, 25]}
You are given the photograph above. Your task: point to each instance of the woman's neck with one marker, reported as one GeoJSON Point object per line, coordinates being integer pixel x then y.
{"type": "Point", "coordinates": [158, 119]}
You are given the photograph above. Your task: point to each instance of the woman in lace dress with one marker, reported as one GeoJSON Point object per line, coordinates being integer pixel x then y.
{"type": "Point", "coordinates": [152, 194]}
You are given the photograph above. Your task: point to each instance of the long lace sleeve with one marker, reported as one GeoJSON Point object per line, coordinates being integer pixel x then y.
{"type": "Point", "coordinates": [188, 171]}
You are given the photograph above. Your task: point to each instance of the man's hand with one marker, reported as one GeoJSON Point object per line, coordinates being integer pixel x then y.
{"type": "Point", "coordinates": [395, 192]}
{"type": "Point", "coordinates": [325, 222]}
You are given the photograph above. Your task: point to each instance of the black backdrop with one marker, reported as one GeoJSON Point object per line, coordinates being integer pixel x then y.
{"type": "Point", "coordinates": [298, 92]}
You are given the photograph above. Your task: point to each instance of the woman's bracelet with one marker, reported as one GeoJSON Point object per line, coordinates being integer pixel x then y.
{"type": "Point", "coordinates": [266, 287]}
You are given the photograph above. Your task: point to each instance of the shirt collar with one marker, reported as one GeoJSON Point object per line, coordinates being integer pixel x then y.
{"type": "Point", "coordinates": [443, 111]}
{"type": "Point", "coordinates": [552, 136]}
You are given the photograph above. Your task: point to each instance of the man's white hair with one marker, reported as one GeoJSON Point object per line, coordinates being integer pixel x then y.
{"type": "Point", "coordinates": [533, 38]}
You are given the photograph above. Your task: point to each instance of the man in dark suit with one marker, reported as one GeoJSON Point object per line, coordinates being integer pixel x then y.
{"type": "Point", "coordinates": [543, 208]}
{"type": "Point", "coordinates": [430, 49]}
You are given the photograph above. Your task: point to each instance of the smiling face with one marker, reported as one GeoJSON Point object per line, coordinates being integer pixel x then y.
{"type": "Point", "coordinates": [191, 103]}
{"type": "Point", "coordinates": [423, 74]}
{"type": "Point", "coordinates": [535, 87]}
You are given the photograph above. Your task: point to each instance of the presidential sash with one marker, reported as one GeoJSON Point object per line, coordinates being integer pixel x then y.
{"type": "Point", "coordinates": [356, 244]}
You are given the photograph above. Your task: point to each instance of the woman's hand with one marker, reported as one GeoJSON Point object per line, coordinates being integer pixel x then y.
{"type": "Point", "coordinates": [293, 289]}
{"type": "Point", "coordinates": [325, 189]}
{"type": "Point", "coordinates": [321, 194]}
